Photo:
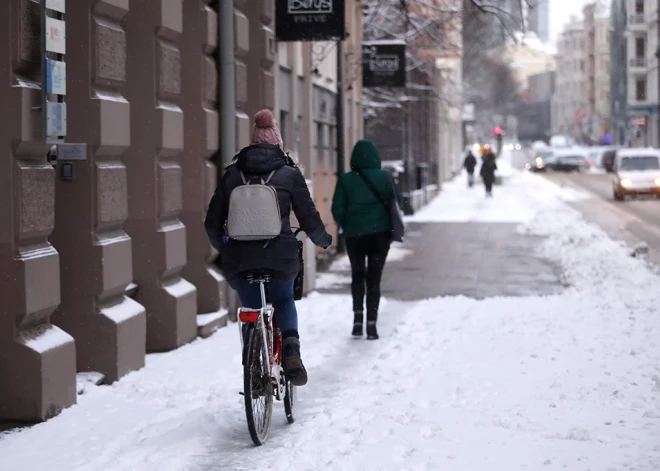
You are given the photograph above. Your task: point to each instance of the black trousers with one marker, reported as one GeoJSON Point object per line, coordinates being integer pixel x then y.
{"type": "Point", "coordinates": [367, 255]}
{"type": "Point", "coordinates": [489, 185]}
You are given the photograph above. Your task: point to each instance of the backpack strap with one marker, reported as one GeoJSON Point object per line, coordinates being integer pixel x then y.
{"type": "Point", "coordinates": [269, 177]}
{"type": "Point", "coordinates": [263, 182]}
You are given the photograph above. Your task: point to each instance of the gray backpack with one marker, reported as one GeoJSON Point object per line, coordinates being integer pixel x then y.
{"type": "Point", "coordinates": [254, 211]}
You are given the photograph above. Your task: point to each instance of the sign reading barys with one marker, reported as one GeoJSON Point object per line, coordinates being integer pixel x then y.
{"type": "Point", "coordinates": [383, 64]}
{"type": "Point", "coordinates": [310, 20]}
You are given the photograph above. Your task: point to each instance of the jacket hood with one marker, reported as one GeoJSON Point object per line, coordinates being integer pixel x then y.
{"type": "Point", "coordinates": [260, 158]}
{"type": "Point", "coordinates": [365, 155]}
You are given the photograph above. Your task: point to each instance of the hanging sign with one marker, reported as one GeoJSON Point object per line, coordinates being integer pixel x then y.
{"type": "Point", "coordinates": [310, 20]}
{"type": "Point", "coordinates": [55, 77]}
{"type": "Point", "coordinates": [383, 64]}
{"type": "Point", "coordinates": [55, 36]}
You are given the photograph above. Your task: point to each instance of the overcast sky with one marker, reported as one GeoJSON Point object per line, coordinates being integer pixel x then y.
{"type": "Point", "coordinates": [560, 14]}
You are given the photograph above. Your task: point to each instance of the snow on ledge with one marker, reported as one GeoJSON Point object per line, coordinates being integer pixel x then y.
{"type": "Point", "coordinates": [45, 339]}
{"type": "Point", "coordinates": [123, 311]}
{"type": "Point", "coordinates": [205, 319]}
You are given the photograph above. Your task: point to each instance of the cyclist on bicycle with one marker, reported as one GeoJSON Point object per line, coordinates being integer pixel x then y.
{"type": "Point", "coordinates": [278, 257]}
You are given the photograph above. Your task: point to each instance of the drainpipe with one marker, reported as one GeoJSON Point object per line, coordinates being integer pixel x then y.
{"type": "Point", "coordinates": [339, 109]}
{"type": "Point", "coordinates": [227, 81]}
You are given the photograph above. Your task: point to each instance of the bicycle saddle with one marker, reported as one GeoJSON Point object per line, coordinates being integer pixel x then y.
{"type": "Point", "coordinates": [257, 276]}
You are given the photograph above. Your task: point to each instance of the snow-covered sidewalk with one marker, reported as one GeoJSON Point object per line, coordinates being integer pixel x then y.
{"type": "Point", "coordinates": [568, 382]}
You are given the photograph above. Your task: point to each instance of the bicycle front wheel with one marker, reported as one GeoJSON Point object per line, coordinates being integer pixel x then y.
{"type": "Point", "coordinates": [258, 391]}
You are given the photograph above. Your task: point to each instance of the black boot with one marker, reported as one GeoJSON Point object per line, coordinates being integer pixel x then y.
{"type": "Point", "coordinates": [372, 332]}
{"type": "Point", "coordinates": [358, 321]}
{"type": "Point", "coordinates": [294, 370]}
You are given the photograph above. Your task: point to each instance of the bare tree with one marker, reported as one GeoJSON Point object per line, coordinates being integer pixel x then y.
{"type": "Point", "coordinates": [404, 120]}
{"type": "Point", "coordinates": [441, 28]}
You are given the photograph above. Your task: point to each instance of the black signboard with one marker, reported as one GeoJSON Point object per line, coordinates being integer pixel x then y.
{"type": "Point", "coordinates": [310, 20]}
{"type": "Point", "coordinates": [383, 64]}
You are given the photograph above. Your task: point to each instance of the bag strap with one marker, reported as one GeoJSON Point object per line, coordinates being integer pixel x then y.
{"type": "Point", "coordinates": [373, 189]}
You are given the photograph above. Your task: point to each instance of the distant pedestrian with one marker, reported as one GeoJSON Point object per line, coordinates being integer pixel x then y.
{"type": "Point", "coordinates": [488, 168]}
{"type": "Point", "coordinates": [470, 164]}
{"type": "Point", "coordinates": [366, 224]}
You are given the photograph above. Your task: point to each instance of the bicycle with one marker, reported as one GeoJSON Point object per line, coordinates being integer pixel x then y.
{"type": "Point", "coordinates": [263, 375]}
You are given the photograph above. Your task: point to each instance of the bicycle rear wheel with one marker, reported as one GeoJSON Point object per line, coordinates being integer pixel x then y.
{"type": "Point", "coordinates": [258, 391]}
{"type": "Point", "coordinates": [290, 402]}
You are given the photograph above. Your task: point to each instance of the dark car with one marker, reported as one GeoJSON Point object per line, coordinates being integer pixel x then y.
{"type": "Point", "coordinates": [608, 160]}
{"type": "Point", "coordinates": [543, 159]}
{"type": "Point", "coordinates": [569, 160]}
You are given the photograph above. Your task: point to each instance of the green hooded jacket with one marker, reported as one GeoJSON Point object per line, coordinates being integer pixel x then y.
{"type": "Point", "coordinates": [354, 206]}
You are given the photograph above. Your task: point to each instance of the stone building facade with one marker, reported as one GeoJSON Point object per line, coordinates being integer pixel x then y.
{"type": "Point", "coordinates": [642, 72]}
{"type": "Point", "coordinates": [100, 269]}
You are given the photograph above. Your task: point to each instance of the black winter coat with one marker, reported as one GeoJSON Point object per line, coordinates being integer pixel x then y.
{"type": "Point", "coordinates": [470, 163]}
{"type": "Point", "coordinates": [488, 168]}
{"type": "Point", "coordinates": [280, 255]}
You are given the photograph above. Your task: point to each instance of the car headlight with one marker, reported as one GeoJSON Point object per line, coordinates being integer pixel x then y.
{"type": "Point", "coordinates": [626, 182]}
{"type": "Point", "coordinates": [657, 181]}
{"type": "Point", "coordinates": [518, 147]}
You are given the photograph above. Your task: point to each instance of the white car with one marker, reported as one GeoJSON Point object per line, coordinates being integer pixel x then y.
{"type": "Point", "coordinates": [636, 172]}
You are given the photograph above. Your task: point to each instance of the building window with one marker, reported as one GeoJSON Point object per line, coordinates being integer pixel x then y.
{"type": "Point", "coordinates": [582, 66]}
{"type": "Point", "coordinates": [639, 7]}
{"type": "Point", "coordinates": [640, 89]}
{"type": "Point", "coordinates": [640, 47]}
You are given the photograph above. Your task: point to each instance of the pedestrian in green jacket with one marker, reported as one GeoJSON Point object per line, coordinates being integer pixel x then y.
{"type": "Point", "coordinates": [366, 226]}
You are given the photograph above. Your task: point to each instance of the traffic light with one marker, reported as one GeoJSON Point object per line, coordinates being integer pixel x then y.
{"type": "Point", "coordinates": [498, 134]}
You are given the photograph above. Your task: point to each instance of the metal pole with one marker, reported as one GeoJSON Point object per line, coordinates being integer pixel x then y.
{"type": "Point", "coordinates": [44, 74]}
{"type": "Point", "coordinates": [227, 81]}
{"type": "Point", "coordinates": [657, 71]}
{"type": "Point", "coordinates": [227, 98]}
{"type": "Point", "coordinates": [340, 126]}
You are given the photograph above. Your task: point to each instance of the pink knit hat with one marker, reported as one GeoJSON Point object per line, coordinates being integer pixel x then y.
{"type": "Point", "coordinates": [265, 131]}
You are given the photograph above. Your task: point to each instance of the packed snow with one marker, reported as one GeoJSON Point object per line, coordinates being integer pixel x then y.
{"type": "Point", "coordinates": [566, 382]}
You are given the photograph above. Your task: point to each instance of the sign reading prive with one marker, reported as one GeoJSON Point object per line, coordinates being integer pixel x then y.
{"type": "Point", "coordinates": [310, 20]}
{"type": "Point", "coordinates": [383, 64]}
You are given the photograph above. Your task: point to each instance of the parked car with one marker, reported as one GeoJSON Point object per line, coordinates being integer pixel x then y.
{"type": "Point", "coordinates": [542, 159]}
{"type": "Point", "coordinates": [596, 155]}
{"type": "Point", "coordinates": [636, 172]}
{"type": "Point", "coordinates": [569, 160]}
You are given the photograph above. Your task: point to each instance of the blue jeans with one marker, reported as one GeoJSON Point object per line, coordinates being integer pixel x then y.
{"type": "Point", "coordinates": [280, 294]}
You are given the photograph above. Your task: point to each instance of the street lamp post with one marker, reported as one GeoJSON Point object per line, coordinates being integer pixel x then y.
{"type": "Point", "coordinates": [657, 55]}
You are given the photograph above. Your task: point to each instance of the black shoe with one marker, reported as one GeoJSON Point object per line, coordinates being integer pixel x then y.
{"type": "Point", "coordinates": [358, 324]}
{"type": "Point", "coordinates": [372, 332]}
{"type": "Point", "coordinates": [294, 370]}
